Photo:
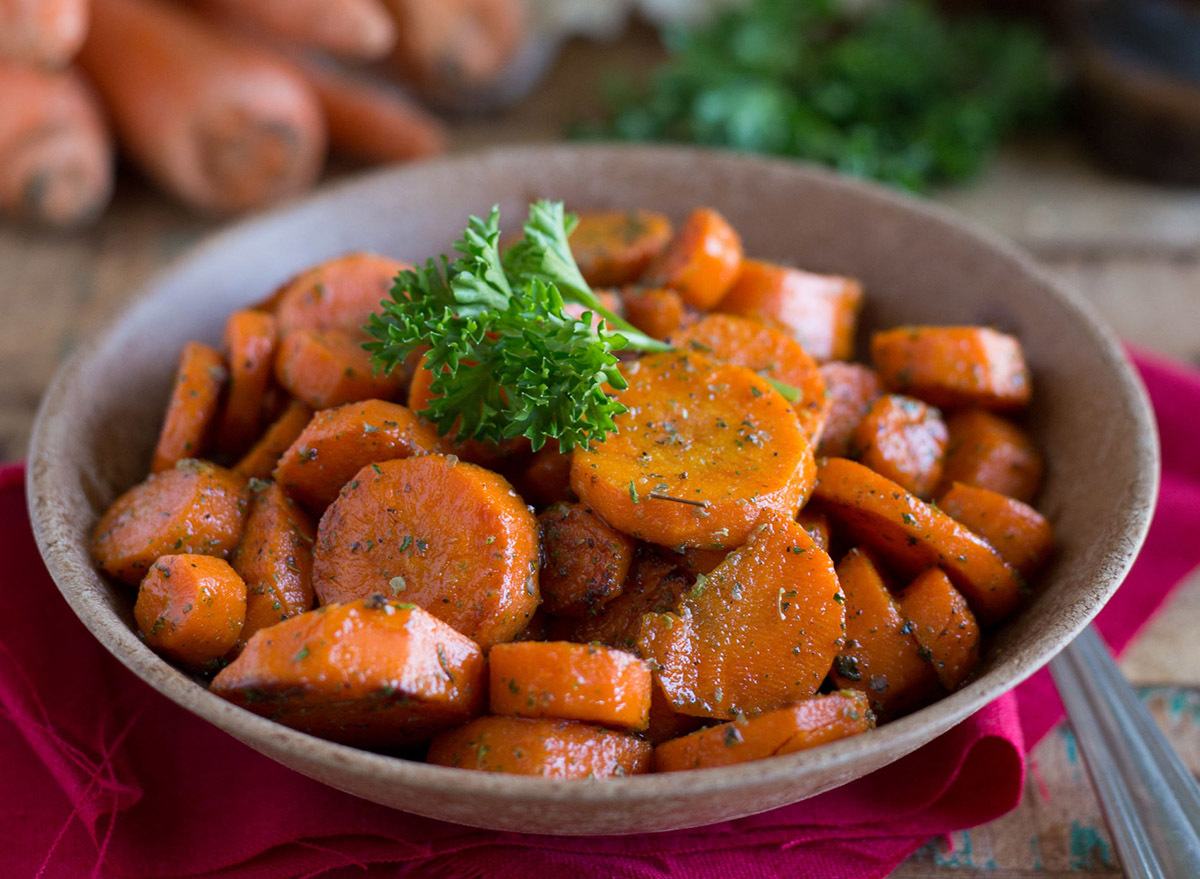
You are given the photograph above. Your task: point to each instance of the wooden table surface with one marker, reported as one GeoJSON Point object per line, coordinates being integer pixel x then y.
{"type": "Point", "coordinates": [1133, 251]}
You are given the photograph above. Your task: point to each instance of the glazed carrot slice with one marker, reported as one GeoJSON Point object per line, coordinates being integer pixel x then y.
{"type": "Point", "coordinates": [656, 311]}
{"type": "Point", "coordinates": [697, 561]}
{"type": "Point", "coordinates": [769, 352]}
{"type": "Point", "coordinates": [797, 727]}
{"type": "Point", "coordinates": [943, 625]}
{"type": "Point", "coordinates": [448, 536]}
{"type": "Point", "coordinates": [880, 656]}
{"type": "Point", "coordinates": [816, 524]}
{"type": "Point", "coordinates": [821, 311]}
{"type": "Point", "coordinates": [953, 366]}
{"type": "Point", "coordinates": [339, 294]}
{"type": "Point", "coordinates": [370, 673]}
{"type": "Point", "coordinates": [991, 452]}
{"type": "Point", "coordinates": [547, 479]}
{"type": "Point", "coordinates": [904, 440]}
{"type": "Point", "coordinates": [715, 436]}
{"type": "Point", "coordinates": [759, 632]}
{"type": "Point", "coordinates": [665, 722]}
{"type": "Point", "coordinates": [584, 560]}
{"type": "Point", "coordinates": [702, 260]}
{"type": "Point", "coordinates": [274, 557]}
{"type": "Point", "coordinates": [911, 535]}
{"type": "Point", "coordinates": [615, 247]}
{"type": "Point", "coordinates": [339, 442]}
{"type": "Point", "coordinates": [852, 389]}
{"type": "Point", "coordinates": [549, 748]}
{"type": "Point", "coordinates": [328, 368]}
{"type": "Point", "coordinates": [654, 585]}
{"type": "Point", "coordinates": [570, 682]}
{"type": "Point", "coordinates": [192, 408]}
{"type": "Point", "coordinates": [264, 454]}
{"type": "Point", "coordinates": [191, 608]}
{"type": "Point", "coordinates": [197, 507]}
{"type": "Point", "coordinates": [1017, 531]}
{"type": "Point", "coordinates": [250, 340]}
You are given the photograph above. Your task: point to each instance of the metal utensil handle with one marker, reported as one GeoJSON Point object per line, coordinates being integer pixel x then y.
{"type": "Point", "coordinates": [1150, 800]}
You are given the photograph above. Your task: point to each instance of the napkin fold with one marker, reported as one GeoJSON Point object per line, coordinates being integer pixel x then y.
{"type": "Point", "coordinates": [102, 776]}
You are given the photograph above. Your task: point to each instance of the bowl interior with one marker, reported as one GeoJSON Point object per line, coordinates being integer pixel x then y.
{"type": "Point", "coordinates": [918, 264]}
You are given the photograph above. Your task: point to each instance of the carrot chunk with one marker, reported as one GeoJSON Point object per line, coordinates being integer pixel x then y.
{"type": "Point", "coordinates": [191, 608]}
{"type": "Point", "coordinates": [943, 625]}
{"type": "Point", "coordinates": [1017, 531]}
{"type": "Point", "coordinates": [991, 452]}
{"type": "Point", "coordinates": [759, 632]}
{"type": "Point", "coordinates": [328, 368]}
{"type": "Point", "coordinates": [264, 454]}
{"type": "Point", "coordinates": [192, 408]}
{"type": "Point", "coordinates": [448, 536]}
{"type": "Point", "coordinates": [797, 727]}
{"type": "Point", "coordinates": [339, 294]}
{"type": "Point", "coordinates": [654, 585]}
{"type": "Point", "coordinates": [702, 260]}
{"type": "Point", "coordinates": [665, 723]}
{"type": "Point", "coordinates": [816, 524]}
{"type": "Point", "coordinates": [250, 341]}
{"type": "Point", "coordinates": [370, 673]}
{"type": "Point", "coordinates": [852, 389]}
{"type": "Point", "coordinates": [821, 311]}
{"type": "Point", "coordinates": [547, 479]}
{"type": "Point", "coordinates": [657, 312]}
{"type": "Point", "coordinates": [614, 247]}
{"type": "Point", "coordinates": [196, 507]}
{"type": "Point", "coordinates": [585, 560]}
{"type": "Point", "coordinates": [570, 682]}
{"type": "Point", "coordinates": [715, 436]}
{"type": "Point", "coordinates": [904, 440]}
{"type": "Point", "coordinates": [953, 366]}
{"type": "Point", "coordinates": [536, 746]}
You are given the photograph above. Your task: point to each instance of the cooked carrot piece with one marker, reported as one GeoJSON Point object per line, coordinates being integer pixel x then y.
{"type": "Point", "coordinates": [196, 507]}
{"type": "Point", "coordinates": [192, 408]}
{"type": "Point", "coordinates": [943, 625]}
{"type": "Point", "coordinates": [615, 247]}
{"type": "Point", "coordinates": [274, 557]}
{"type": "Point", "coordinates": [328, 368]}
{"type": "Point", "coordinates": [769, 352]}
{"type": "Point", "coordinates": [339, 294]}
{"type": "Point", "coordinates": [816, 524]}
{"type": "Point", "coordinates": [584, 560]}
{"type": "Point", "coordinates": [715, 440]}
{"type": "Point", "coordinates": [1017, 531]}
{"type": "Point", "coordinates": [852, 389]}
{"type": "Point", "coordinates": [570, 682]}
{"type": "Point", "coordinates": [797, 727]}
{"type": "Point", "coordinates": [191, 607]}
{"type": "Point", "coordinates": [698, 561]}
{"type": "Point", "coordinates": [656, 311]}
{"type": "Point", "coordinates": [547, 479]}
{"type": "Point", "coordinates": [821, 311]}
{"type": "Point", "coordinates": [759, 632]}
{"type": "Point", "coordinates": [880, 656]}
{"type": "Point", "coordinates": [904, 440]}
{"type": "Point", "coordinates": [953, 366]}
{"type": "Point", "coordinates": [665, 722]}
{"type": "Point", "coordinates": [911, 535]}
{"type": "Point", "coordinates": [654, 585]}
{"type": "Point", "coordinates": [448, 536]}
{"type": "Point", "coordinates": [702, 260]}
{"type": "Point", "coordinates": [370, 673]}
{"type": "Point", "coordinates": [250, 340]}
{"type": "Point", "coordinates": [264, 454]}
{"type": "Point", "coordinates": [991, 452]}
{"type": "Point", "coordinates": [339, 442]}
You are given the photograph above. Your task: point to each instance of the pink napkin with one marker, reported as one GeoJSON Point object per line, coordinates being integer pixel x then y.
{"type": "Point", "coordinates": [103, 777]}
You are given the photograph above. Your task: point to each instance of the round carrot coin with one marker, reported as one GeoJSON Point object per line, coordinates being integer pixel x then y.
{"type": "Point", "coordinates": [191, 607]}
{"type": "Point", "coordinates": [339, 294]}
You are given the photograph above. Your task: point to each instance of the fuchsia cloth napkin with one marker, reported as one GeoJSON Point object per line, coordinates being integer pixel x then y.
{"type": "Point", "coordinates": [100, 775]}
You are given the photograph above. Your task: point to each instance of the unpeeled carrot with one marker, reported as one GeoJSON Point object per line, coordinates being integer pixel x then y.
{"type": "Point", "coordinates": [852, 389]}
{"type": "Point", "coordinates": [330, 367]}
{"type": "Point", "coordinates": [191, 607]}
{"type": "Point", "coordinates": [192, 408]}
{"type": "Point", "coordinates": [702, 260]}
{"type": "Point", "coordinates": [943, 625]}
{"type": "Point", "coordinates": [613, 248]}
{"type": "Point", "coordinates": [991, 452]}
{"type": "Point", "coordinates": [904, 440]}
{"type": "Point", "coordinates": [1018, 532]}
{"type": "Point", "coordinates": [262, 457]}
{"type": "Point", "coordinates": [250, 338]}
{"type": "Point", "coordinates": [653, 585]}
{"type": "Point", "coordinates": [41, 33]}
{"type": "Point", "coordinates": [584, 560]}
{"type": "Point", "coordinates": [359, 29]}
{"type": "Point", "coordinates": [656, 311]}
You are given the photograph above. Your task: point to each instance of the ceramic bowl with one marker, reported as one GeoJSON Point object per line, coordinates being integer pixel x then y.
{"type": "Point", "coordinates": [919, 264]}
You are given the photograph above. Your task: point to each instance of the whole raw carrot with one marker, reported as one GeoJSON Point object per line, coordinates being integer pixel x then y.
{"type": "Point", "coordinates": [191, 607]}
{"type": "Point", "coordinates": [192, 409]}
{"type": "Point", "coordinates": [42, 33]}
{"type": "Point", "coordinates": [219, 123]}
{"type": "Point", "coordinates": [262, 457]}
{"type": "Point", "coordinates": [360, 29]}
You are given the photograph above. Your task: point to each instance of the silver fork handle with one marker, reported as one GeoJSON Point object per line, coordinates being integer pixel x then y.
{"type": "Point", "coordinates": [1150, 799]}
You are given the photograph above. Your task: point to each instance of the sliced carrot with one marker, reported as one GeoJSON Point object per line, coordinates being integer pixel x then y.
{"type": "Point", "coordinates": [716, 440]}
{"type": "Point", "coordinates": [953, 366]}
{"type": "Point", "coordinates": [449, 536]}
{"type": "Point", "coordinates": [665, 722]}
{"type": "Point", "coordinates": [191, 607]}
{"type": "Point", "coordinates": [585, 560]}
{"type": "Point", "coordinates": [821, 311]}
{"type": "Point", "coordinates": [196, 507]}
{"type": "Point", "coordinates": [991, 452]}
{"type": "Point", "coordinates": [330, 367]}
{"type": "Point", "coordinates": [912, 535]}
{"type": "Point", "coordinates": [42, 33]}
{"type": "Point", "coordinates": [339, 294]}
{"type": "Point", "coordinates": [535, 746]}
{"type": "Point", "coordinates": [880, 656]}
{"type": "Point", "coordinates": [571, 682]}
{"type": "Point", "coordinates": [701, 262]}
{"type": "Point", "coordinates": [759, 632]}
{"type": "Point", "coordinates": [943, 625]}
{"type": "Point", "coordinates": [615, 247]}
{"type": "Point", "coordinates": [358, 29]}
{"type": "Point", "coordinates": [250, 340]}
{"type": "Point", "coordinates": [264, 454]}
{"type": "Point", "coordinates": [654, 585]}
{"type": "Point", "coordinates": [797, 727]}
{"type": "Point", "coordinates": [852, 389]}
{"type": "Point", "coordinates": [192, 408]}
{"type": "Point", "coordinates": [656, 311]}
{"type": "Point", "coordinates": [904, 440]}
{"type": "Point", "coordinates": [1017, 531]}
{"type": "Point", "coordinates": [769, 352]}
{"type": "Point", "coordinates": [274, 557]}
{"type": "Point", "coordinates": [339, 442]}
{"type": "Point", "coordinates": [370, 673]}
{"type": "Point", "coordinates": [547, 478]}
{"type": "Point", "coordinates": [538, 627]}
{"type": "Point", "coordinates": [698, 561]}
{"type": "Point", "coordinates": [816, 524]}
